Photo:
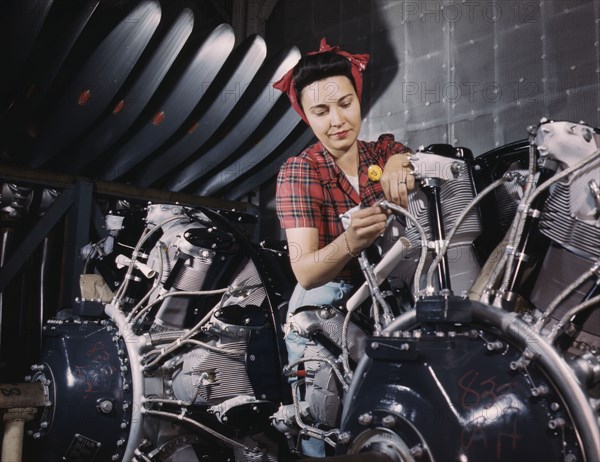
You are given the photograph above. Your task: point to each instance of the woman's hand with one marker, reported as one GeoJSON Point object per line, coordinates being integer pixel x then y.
{"type": "Point", "coordinates": [314, 266]}
{"type": "Point", "coordinates": [366, 225]}
{"type": "Point", "coordinates": [397, 180]}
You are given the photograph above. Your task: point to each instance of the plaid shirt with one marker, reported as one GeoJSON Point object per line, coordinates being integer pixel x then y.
{"type": "Point", "coordinates": [312, 191]}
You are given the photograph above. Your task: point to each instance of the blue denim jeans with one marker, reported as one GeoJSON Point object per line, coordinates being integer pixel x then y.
{"type": "Point", "coordinates": [326, 294]}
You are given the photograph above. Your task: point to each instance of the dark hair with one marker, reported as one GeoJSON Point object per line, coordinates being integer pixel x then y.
{"type": "Point", "coordinates": [319, 66]}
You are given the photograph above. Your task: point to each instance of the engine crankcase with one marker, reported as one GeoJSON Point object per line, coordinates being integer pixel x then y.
{"type": "Point", "coordinates": [486, 390]}
{"type": "Point", "coordinates": [86, 369]}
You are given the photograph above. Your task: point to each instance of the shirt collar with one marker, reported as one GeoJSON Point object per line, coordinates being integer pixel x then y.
{"type": "Point", "coordinates": [335, 174]}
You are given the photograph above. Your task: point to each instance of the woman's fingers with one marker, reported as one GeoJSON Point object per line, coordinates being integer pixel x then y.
{"type": "Point", "coordinates": [396, 189]}
{"type": "Point", "coordinates": [366, 225]}
{"type": "Point", "coordinates": [397, 180]}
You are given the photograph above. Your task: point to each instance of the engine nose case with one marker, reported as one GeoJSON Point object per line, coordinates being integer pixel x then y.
{"type": "Point", "coordinates": [456, 392]}
{"type": "Point", "coordinates": [89, 409]}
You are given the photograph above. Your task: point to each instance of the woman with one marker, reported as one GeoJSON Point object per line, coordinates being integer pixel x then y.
{"type": "Point", "coordinates": [334, 175]}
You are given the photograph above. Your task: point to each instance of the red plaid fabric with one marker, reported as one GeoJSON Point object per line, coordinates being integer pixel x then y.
{"type": "Point", "coordinates": [312, 192]}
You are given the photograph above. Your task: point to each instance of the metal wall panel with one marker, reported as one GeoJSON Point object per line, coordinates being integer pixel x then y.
{"type": "Point", "coordinates": [486, 70]}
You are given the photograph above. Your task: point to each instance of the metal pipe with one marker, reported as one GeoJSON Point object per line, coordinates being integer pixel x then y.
{"type": "Point", "coordinates": [436, 224]}
{"type": "Point", "coordinates": [566, 339]}
{"type": "Point", "coordinates": [532, 243]}
{"type": "Point", "coordinates": [20, 402]}
{"type": "Point", "coordinates": [14, 429]}
{"type": "Point", "coordinates": [21, 395]}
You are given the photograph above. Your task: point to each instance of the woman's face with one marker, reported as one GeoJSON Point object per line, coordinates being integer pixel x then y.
{"type": "Point", "coordinates": [333, 112]}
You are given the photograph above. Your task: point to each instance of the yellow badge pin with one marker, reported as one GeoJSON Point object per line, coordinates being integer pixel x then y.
{"type": "Point", "coordinates": [374, 172]}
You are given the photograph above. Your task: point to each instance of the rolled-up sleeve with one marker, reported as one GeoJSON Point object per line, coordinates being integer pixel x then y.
{"type": "Point", "coordinates": [299, 196]}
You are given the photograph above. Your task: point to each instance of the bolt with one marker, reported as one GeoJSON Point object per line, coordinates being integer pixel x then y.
{"type": "Point", "coordinates": [106, 406]}
{"type": "Point", "coordinates": [416, 451]}
{"type": "Point", "coordinates": [519, 364]}
{"type": "Point", "coordinates": [365, 419]}
{"type": "Point", "coordinates": [374, 345]}
{"type": "Point", "coordinates": [542, 390]}
{"type": "Point", "coordinates": [388, 421]}
{"type": "Point", "coordinates": [344, 438]}
{"type": "Point", "coordinates": [556, 423]}
{"type": "Point", "coordinates": [494, 346]}
{"type": "Point", "coordinates": [325, 313]}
